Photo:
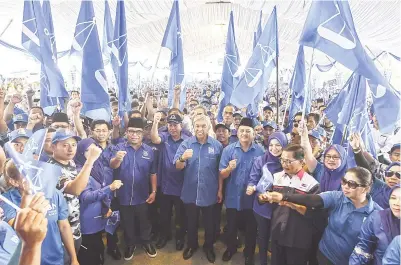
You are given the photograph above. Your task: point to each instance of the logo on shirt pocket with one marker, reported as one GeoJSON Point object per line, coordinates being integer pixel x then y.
{"type": "Point", "coordinates": [145, 155]}
{"type": "Point", "coordinates": [211, 151]}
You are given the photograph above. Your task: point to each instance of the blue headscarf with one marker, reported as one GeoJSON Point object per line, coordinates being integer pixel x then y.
{"type": "Point", "coordinates": [331, 179]}
{"type": "Point", "coordinates": [391, 223]}
{"type": "Point", "coordinates": [97, 170]}
{"type": "Point", "coordinates": [273, 162]}
{"type": "Point", "coordinates": [393, 164]}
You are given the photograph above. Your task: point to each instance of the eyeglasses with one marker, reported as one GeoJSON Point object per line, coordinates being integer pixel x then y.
{"type": "Point", "coordinates": [132, 132]}
{"type": "Point", "coordinates": [335, 158]}
{"type": "Point", "coordinates": [286, 161]}
{"type": "Point", "coordinates": [351, 184]}
{"type": "Point", "coordinates": [389, 174]}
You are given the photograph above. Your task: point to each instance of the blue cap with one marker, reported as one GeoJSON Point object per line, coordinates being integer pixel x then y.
{"type": "Point", "coordinates": [61, 135]}
{"type": "Point", "coordinates": [315, 134]}
{"type": "Point", "coordinates": [20, 133]}
{"type": "Point", "coordinates": [395, 146]}
{"type": "Point", "coordinates": [23, 117]}
{"type": "Point", "coordinates": [270, 124]}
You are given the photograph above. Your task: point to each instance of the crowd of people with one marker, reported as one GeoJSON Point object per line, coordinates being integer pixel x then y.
{"type": "Point", "coordinates": [281, 184]}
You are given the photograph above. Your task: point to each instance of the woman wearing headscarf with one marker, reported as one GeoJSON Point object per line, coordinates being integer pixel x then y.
{"type": "Point", "coordinates": [94, 207]}
{"type": "Point", "coordinates": [348, 209]}
{"type": "Point", "coordinates": [377, 232]}
{"type": "Point", "coordinates": [261, 177]}
{"type": "Point", "coordinates": [380, 190]}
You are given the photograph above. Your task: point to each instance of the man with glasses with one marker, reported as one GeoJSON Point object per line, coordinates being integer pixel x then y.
{"type": "Point", "coordinates": [135, 165]}
{"type": "Point", "coordinates": [228, 116]}
{"type": "Point", "coordinates": [235, 166]}
{"type": "Point", "coordinates": [291, 229]}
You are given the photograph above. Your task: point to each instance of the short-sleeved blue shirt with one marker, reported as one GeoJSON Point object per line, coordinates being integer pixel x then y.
{"type": "Point", "coordinates": [8, 242]}
{"type": "Point", "coordinates": [345, 222]}
{"type": "Point", "coordinates": [201, 173]}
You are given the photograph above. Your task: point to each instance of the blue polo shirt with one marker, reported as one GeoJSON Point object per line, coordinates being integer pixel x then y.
{"type": "Point", "coordinates": [134, 172]}
{"type": "Point", "coordinates": [52, 248]}
{"type": "Point", "coordinates": [237, 182]}
{"type": "Point", "coordinates": [8, 242]}
{"type": "Point", "coordinates": [345, 222]}
{"type": "Point", "coordinates": [201, 172]}
{"type": "Point", "coordinates": [171, 178]}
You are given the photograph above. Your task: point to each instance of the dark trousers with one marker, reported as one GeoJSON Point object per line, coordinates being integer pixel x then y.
{"type": "Point", "coordinates": [322, 259]}
{"type": "Point", "coordinates": [263, 237]}
{"type": "Point", "coordinates": [233, 221]}
{"type": "Point", "coordinates": [92, 249]}
{"type": "Point", "coordinates": [166, 209]}
{"type": "Point", "coordinates": [218, 207]}
{"type": "Point", "coordinates": [154, 213]}
{"type": "Point", "coordinates": [282, 255]}
{"type": "Point", "coordinates": [132, 215]}
{"type": "Point", "coordinates": [192, 211]}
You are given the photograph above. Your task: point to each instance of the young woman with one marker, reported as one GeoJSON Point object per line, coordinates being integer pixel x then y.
{"type": "Point", "coordinates": [377, 232]}
{"type": "Point", "coordinates": [348, 209]}
{"type": "Point", "coordinates": [261, 176]}
{"type": "Point", "coordinates": [95, 207]}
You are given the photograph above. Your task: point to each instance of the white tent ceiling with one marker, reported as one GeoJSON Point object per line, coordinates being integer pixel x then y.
{"type": "Point", "coordinates": [204, 26]}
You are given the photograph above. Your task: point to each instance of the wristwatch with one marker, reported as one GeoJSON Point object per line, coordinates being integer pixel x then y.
{"type": "Point", "coordinates": [181, 160]}
{"type": "Point", "coordinates": [154, 191]}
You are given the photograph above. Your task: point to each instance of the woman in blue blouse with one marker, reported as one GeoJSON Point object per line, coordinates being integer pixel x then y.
{"type": "Point", "coordinates": [377, 232]}
{"type": "Point", "coordinates": [260, 177]}
{"type": "Point", "coordinates": [94, 207]}
{"type": "Point", "coordinates": [348, 209]}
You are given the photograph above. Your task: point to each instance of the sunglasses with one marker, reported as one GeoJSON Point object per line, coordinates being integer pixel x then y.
{"type": "Point", "coordinates": [351, 184]}
{"type": "Point", "coordinates": [389, 174]}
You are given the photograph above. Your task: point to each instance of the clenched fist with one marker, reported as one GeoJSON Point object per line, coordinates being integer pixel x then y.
{"type": "Point", "coordinates": [232, 164]}
{"type": "Point", "coordinates": [94, 152]}
{"type": "Point", "coordinates": [187, 154]}
{"type": "Point", "coordinates": [116, 185]}
{"type": "Point", "coordinates": [157, 117]}
{"type": "Point", "coordinates": [250, 190]}
{"type": "Point", "coordinates": [120, 155]}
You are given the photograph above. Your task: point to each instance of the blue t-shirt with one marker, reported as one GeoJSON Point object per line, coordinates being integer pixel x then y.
{"type": "Point", "coordinates": [8, 242]}
{"type": "Point", "coordinates": [52, 247]}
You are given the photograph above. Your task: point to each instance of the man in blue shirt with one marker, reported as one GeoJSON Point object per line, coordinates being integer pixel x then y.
{"type": "Point", "coordinates": [135, 165]}
{"type": "Point", "coordinates": [199, 157]}
{"type": "Point", "coordinates": [235, 166]}
{"type": "Point", "coordinates": [8, 242]}
{"type": "Point", "coordinates": [171, 179]}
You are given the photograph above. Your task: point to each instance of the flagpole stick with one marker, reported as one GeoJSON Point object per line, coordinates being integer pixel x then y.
{"type": "Point", "coordinates": [277, 90]}
{"type": "Point", "coordinates": [157, 60]}
{"type": "Point", "coordinates": [286, 107]}
{"type": "Point", "coordinates": [307, 87]}
{"type": "Point", "coordinates": [6, 28]}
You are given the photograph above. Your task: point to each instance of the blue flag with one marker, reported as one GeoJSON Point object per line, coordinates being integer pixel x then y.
{"type": "Point", "coordinates": [254, 80]}
{"type": "Point", "coordinates": [230, 74]}
{"type": "Point", "coordinates": [254, 41]}
{"type": "Point", "coordinates": [34, 147]}
{"type": "Point", "coordinates": [258, 33]}
{"type": "Point", "coordinates": [119, 59]}
{"type": "Point", "coordinates": [112, 222]}
{"type": "Point", "coordinates": [38, 40]}
{"type": "Point", "coordinates": [86, 47]}
{"type": "Point", "coordinates": [172, 40]}
{"type": "Point", "coordinates": [107, 32]}
{"type": "Point", "coordinates": [42, 176]}
{"type": "Point", "coordinates": [329, 28]}
{"type": "Point", "coordinates": [297, 85]}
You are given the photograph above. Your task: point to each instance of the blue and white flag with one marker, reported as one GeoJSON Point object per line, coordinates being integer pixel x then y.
{"type": "Point", "coordinates": [112, 222]}
{"type": "Point", "coordinates": [119, 59]}
{"type": "Point", "coordinates": [42, 176]}
{"type": "Point", "coordinates": [86, 46]}
{"type": "Point", "coordinates": [107, 32]}
{"type": "Point", "coordinates": [329, 28]}
{"type": "Point", "coordinates": [258, 32]}
{"type": "Point", "coordinates": [38, 40]}
{"type": "Point", "coordinates": [34, 147]}
{"type": "Point", "coordinates": [172, 40]}
{"type": "Point", "coordinates": [230, 74]}
{"type": "Point", "coordinates": [254, 80]}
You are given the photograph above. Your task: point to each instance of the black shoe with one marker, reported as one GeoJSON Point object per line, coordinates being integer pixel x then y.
{"type": "Point", "coordinates": [179, 244]}
{"type": "Point", "coordinates": [115, 254]}
{"type": "Point", "coordinates": [210, 255]}
{"type": "Point", "coordinates": [161, 243]}
{"type": "Point", "coordinates": [249, 260]}
{"type": "Point", "coordinates": [129, 253]}
{"type": "Point", "coordinates": [228, 255]}
{"type": "Point", "coordinates": [188, 253]}
{"type": "Point", "coordinates": [150, 250]}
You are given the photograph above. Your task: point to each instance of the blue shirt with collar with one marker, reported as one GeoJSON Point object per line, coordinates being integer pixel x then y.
{"type": "Point", "coordinates": [345, 222]}
{"type": "Point", "coordinates": [392, 255]}
{"type": "Point", "coordinates": [52, 247]}
{"type": "Point", "coordinates": [201, 172]}
{"type": "Point", "coordinates": [169, 176]}
{"type": "Point", "coordinates": [134, 172]}
{"type": "Point", "coordinates": [237, 182]}
{"type": "Point", "coordinates": [8, 242]}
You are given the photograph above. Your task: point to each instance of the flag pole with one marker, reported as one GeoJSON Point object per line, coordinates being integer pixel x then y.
{"type": "Point", "coordinates": [277, 90]}
{"type": "Point", "coordinates": [307, 87]}
{"type": "Point", "coordinates": [6, 28]}
{"type": "Point", "coordinates": [155, 67]}
{"type": "Point", "coordinates": [286, 107]}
